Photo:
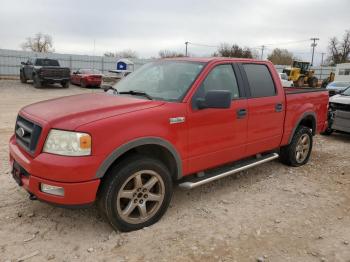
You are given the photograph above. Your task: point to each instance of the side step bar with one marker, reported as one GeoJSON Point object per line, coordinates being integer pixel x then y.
{"type": "Point", "coordinates": [198, 181]}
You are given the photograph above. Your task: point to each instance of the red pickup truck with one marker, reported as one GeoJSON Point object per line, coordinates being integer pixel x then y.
{"type": "Point", "coordinates": [187, 121]}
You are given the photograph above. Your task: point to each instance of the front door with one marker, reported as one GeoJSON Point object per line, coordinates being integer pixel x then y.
{"type": "Point", "coordinates": [217, 136]}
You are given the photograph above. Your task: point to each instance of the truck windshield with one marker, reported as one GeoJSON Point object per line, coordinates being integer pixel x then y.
{"type": "Point", "coordinates": [162, 80]}
{"type": "Point", "coordinates": [46, 62]}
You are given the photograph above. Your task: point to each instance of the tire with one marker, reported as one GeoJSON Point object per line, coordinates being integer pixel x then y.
{"type": "Point", "coordinates": [65, 84]}
{"type": "Point", "coordinates": [36, 82]}
{"type": "Point", "coordinates": [299, 82]}
{"type": "Point", "coordinates": [22, 77]}
{"type": "Point", "coordinates": [313, 81]}
{"type": "Point", "coordinates": [298, 152]}
{"type": "Point", "coordinates": [130, 178]}
{"type": "Point", "coordinates": [83, 84]}
{"type": "Point", "coordinates": [327, 132]}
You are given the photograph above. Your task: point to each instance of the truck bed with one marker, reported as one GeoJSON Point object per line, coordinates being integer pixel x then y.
{"type": "Point", "coordinates": [298, 90]}
{"type": "Point", "coordinates": [301, 101]}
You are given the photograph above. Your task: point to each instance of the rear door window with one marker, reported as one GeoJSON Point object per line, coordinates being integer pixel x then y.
{"type": "Point", "coordinates": [260, 80]}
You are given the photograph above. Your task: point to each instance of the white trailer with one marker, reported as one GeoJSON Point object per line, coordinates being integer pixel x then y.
{"type": "Point", "coordinates": [342, 72]}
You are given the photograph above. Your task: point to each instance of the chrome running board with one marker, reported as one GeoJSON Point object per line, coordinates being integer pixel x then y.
{"type": "Point", "coordinates": [198, 181]}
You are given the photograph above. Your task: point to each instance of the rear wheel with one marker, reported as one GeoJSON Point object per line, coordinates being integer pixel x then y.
{"type": "Point", "coordinates": [37, 82]}
{"type": "Point", "coordinates": [136, 193]}
{"type": "Point", "coordinates": [22, 77]}
{"type": "Point", "coordinates": [297, 153]}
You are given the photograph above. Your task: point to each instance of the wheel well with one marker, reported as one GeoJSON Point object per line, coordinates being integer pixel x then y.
{"type": "Point", "coordinates": [310, 122]}
{"type": "Point", "coordinates": [155, 151]}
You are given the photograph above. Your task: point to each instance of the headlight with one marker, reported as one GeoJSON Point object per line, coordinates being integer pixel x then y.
{"type": "Point", "coordinates": [68, 143]}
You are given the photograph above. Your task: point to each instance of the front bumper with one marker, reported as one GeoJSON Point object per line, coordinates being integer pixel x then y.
{"type": "Point", "coordinates": [341, 121]}
{"type": "Point", "coordinates": [31, 177]}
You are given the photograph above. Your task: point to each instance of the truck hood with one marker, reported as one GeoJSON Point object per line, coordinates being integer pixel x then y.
{"type": "Point", "coordinates": [72, 111]}
{"type": "Point", "coordinates": [340, 99]}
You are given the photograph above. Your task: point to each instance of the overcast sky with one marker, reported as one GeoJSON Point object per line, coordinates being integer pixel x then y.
{"type": "Point", "coordinates": [152, 25]}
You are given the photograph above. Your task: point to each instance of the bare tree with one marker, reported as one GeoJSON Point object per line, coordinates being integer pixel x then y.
{"type": "Point", "coordinates": [281, 57]}
{"type": "Point", "coordinates": [169, 54]}
{"type": "Point", "coordinates": [41, 43]}
{"type": "Point", "coordinates": [227, 50]}
{"type": "Point", "coordinates": [122, 54]}
{"type": "Point", "coordinates": [339, 52]}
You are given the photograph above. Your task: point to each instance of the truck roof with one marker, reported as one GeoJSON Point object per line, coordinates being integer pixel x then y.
{"type": "Point", "coordinates": [212, 59]}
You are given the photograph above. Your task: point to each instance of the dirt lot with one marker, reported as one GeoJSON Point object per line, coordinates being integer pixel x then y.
{"type": "Point", "coordinates": [272, 212]}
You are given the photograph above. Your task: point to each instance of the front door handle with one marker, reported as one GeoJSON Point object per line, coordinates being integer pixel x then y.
{"type": "Point", "coordinates": [241, 113]}
{"type": "Point", "coordinates": [279, 107]}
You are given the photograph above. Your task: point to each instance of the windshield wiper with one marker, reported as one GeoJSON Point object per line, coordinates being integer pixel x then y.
{"type": "Point", "coordinates": [136, 93]}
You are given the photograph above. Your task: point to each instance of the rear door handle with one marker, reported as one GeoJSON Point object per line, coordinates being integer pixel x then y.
{"type": "Point", "coordinates": [279, 107]}
{"type": "Point", "coordinates": [241, 113]}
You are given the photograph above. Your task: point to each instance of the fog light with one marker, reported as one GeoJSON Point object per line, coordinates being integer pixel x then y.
{"type": "Point", "coordinates": [52, 190]}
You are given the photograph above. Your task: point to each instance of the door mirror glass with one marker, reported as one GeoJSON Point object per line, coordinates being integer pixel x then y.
{"type": "Point", "coordinates": [215, 99]}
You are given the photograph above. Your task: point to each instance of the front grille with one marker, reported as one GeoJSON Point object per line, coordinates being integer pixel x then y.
{"type": "Point", "coordinates": [27, 134]}
{"type": "Point", "coordinates": [342, 107]}
{"type": "Point", "coordinates": [55, 73]}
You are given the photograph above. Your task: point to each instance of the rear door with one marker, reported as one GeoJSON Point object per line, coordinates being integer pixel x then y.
{"type": "Point", "coordinates": [217, 136]}
{"type": "Point", "coordinates": [266, 109]}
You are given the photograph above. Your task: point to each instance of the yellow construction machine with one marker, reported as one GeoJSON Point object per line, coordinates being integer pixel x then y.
{"type": "Point", "coordinates": [301, 74]}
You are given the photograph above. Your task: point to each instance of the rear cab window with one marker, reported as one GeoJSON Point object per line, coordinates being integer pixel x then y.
{"type": "Point", "coordinates": [260, 80]}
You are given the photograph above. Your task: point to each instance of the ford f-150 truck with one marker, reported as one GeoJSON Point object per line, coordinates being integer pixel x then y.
{"type": "Point", "coordinates": [183, 121]}
{"type": "Point", "coordinates": [44, 71]}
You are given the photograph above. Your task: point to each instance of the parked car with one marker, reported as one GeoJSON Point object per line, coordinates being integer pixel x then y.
{"type": "Point", "coordinates": [339, 113]}
{"type": "Point", "coordinates": [44, 71]}
{"type": "Point", "coordinates": [172, 121]}
{"type": "Point", "coordinates": [336, 87]}
{"type": "Point", "coordinates": [86, 77]}
{"type": "Point", "coordinates": [285, 81]}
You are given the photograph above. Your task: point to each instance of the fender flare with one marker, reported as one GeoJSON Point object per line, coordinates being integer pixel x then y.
{"type": "Point", "coordinates": [116, 153]}
{"type": "Point", "coordinates": [301, 118]}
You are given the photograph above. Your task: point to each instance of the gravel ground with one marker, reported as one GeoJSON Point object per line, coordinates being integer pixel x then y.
{"type": "Point", "coordinates": [269, 213]}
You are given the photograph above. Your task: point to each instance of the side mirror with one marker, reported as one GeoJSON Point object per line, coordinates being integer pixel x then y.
{"type": "Point", "coordinates": [74, 72]}
{"type": "Point", "coordinates": [215, 99]}
{"type": "Point", "coordinates": [23, 63]}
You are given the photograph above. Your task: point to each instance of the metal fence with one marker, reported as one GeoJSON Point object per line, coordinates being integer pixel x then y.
{"type": "Point", "coordinates": [10, 62]}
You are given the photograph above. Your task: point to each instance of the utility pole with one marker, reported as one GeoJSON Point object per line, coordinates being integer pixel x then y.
{"type": "Point", "coordinates": [322, 54]}
{"type": "Point", "coordinates": [313, 45]}
{"type": "Point", "coordinates": [262, 52]}
{"type": "Point", "coordinates": [186, 44]}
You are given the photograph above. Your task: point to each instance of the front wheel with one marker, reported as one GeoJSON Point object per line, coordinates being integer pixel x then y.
{"type": "Point", "coordinates": [83, 84]}
{"type": "Point", "coordinates": [37, 82]}
{"type": "Point", "coordinates": [22, 77]}
{"type": "Point", "coordinates": [136, 193]}
{"type": "Point", "coordinates": [327, 132]}
{"type": "Point", "coordinates": [65, 84]}
{"type": "Point", "coordinates": [298, 152]}
{"type": "Point", "coordinates": [313, 81]}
